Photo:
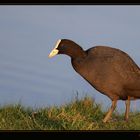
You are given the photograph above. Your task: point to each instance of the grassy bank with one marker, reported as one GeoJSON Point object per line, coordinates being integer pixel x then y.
{"type": "Point", "coordinates": [82, 114]}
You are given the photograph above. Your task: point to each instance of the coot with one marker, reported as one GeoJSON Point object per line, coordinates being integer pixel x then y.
{"type": "Point", "coordinates": [109, 70]}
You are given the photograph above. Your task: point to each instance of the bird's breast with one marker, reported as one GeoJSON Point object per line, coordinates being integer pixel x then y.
{"type": "Point", "coordinates": [90, 72]}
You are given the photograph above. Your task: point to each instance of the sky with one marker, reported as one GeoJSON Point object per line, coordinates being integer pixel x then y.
{"type": "Point", "coordinates": [28, 34]}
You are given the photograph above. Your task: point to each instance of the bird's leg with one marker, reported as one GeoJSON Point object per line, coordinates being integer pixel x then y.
{"type": "Point", "coordinates": [109, 113]}
{"type": "Point", "coordinates": [127, 103]}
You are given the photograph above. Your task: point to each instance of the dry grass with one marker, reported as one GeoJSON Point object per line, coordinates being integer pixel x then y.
{"type": "Point", "coordinates": [82, 114]}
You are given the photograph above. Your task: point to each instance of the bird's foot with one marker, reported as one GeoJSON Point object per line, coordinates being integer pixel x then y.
{"type": "Point", "coordinates": [126, 119]}
{"type": "Point", "coordinates": [107, 119]}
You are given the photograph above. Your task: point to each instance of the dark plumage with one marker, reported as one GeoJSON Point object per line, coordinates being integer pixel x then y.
{"type": "Point", "coordinates": [109, 70]}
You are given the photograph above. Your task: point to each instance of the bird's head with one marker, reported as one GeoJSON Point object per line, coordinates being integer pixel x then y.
{"type": "Point", "coordinates": [68, 47]}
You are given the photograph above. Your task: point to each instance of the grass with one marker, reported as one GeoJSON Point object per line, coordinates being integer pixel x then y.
{"type": "Point", "coordinates": [83, 114]}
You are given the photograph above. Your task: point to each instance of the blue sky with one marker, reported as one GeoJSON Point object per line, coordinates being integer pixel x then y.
{"type": "Point", "coordinates": [28, 33]}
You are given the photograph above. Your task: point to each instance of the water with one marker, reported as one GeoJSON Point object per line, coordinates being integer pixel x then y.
{"type": "Point", "coordinates": [32, 79]}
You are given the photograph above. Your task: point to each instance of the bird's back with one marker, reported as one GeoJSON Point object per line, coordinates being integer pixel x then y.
{"type": "Point", "coordinates": [120, 60]}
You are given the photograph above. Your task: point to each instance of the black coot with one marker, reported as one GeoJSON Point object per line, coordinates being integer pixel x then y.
{"type": "Point", "coordinates": [109, 70]}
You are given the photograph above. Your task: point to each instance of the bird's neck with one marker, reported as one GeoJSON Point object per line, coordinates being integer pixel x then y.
{"type": "Point", "coordinates": [76, 51]}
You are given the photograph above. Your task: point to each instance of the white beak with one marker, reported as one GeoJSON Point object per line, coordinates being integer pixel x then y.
{"type": "Point", "coordinates": [53, 53]}
{"type": "Point", "coordinates": [55, 50]}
